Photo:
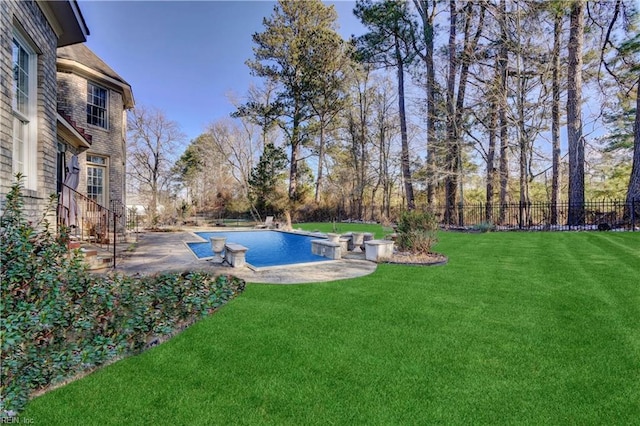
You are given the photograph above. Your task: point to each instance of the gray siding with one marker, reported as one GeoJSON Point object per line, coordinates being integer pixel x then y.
{"type": "Point", "coordinates": [33, 21]}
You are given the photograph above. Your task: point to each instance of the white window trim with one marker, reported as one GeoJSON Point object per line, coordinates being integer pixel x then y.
{"type": "Point", "coordinates": [30, 121]}
{"type": "Point", "coordinates": [106, 105]}
{"type": "Point", "coordinates": [105, 177]}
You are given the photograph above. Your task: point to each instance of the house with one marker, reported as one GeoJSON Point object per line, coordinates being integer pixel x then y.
{"type": "Point", "coordinates": [61, 103]}
{"type": "Point", "coordinates": [30, 34]}
{"type": "Point", "coordinates": [94, 100]}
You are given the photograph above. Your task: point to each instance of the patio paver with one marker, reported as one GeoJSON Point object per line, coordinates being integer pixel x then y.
{"type": "Point", "coordinates": [167, 252]}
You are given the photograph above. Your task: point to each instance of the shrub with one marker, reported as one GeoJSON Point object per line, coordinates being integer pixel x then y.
{"type": "Point", "coordinates": [417, 231]}
{"type": "Point", "coordinates": [484, 227]}
{"type": "Point", "coordinates": [57, 319]}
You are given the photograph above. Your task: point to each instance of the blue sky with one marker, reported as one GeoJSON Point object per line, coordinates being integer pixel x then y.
{"type": "Point", "coordinates": [184, 57]}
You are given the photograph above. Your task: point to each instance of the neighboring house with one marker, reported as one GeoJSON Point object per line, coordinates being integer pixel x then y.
{"type": "Point", "coordinates": [30, 33]}
{"type": "Point", "coordinates": [94, 100]}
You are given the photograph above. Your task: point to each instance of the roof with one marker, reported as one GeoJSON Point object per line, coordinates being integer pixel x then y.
{"type": "Point", "coordinates": [90, 63]}
{"type": "Point", "coordinates": [65, 17]}
{"type": "Point", "coordinates": [71, 132]}
{"type": "Point", "coordinates": [85, 56]}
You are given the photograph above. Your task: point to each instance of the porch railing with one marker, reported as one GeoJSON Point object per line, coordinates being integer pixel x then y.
{"type": "Point", "coordinates": [91, 222]}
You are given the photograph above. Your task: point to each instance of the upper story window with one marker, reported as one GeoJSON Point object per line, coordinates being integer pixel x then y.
{"type": "Point", "coordinates": [24, 89]}
{"type": "Point", "coordinates": [21, 78]}
{"type": "Point", "coordinates": [97, 102]}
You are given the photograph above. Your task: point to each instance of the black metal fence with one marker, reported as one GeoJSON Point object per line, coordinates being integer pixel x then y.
{"type": "Point", "coordinates": [592, 215]}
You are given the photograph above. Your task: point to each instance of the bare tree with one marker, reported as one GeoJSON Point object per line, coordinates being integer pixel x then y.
{"type": "Point", "coordinates": [153, 141]}
{"type": "Point", "coordinates": [455, 100]}
{"type": "Point", "coordinates": [385, 130]}
{"type": "Point", "coordinates": [237, 144]}
{"type": "Point", "coordinates": [358, 119]}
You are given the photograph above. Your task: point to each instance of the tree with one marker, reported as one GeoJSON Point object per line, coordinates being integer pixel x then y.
{"type": "Point", "coordinates": [358, 118]}
{"type": "Point", "coordinates": [236, 144]}
{"type": "Point", "coordinates": [225, 154]}
{"type": "Point", "coordinates": [633, 192]}
{"type": "Point", "coordinates": [575, 140]}
{"type": "Point", "coordinates": [385, 130]}
{"type": "Point", "coordinates": [153, 140]}
{"type": "Point", "coordinates": [627, 61]}
{"type": "Point", "coordinates": [326, 63]}
{"type": "Point", "coordinates": [265, 180]}
{"type": "Point", "coordinates": [427, 12]}
{"type": "Point", "coordinates": [189, 168]}
{"type": "Point", "coordinates": [260, 109]}
{"type": "Point", "coordinates": [283, 54]}
{"type": "Point", "coordinates": [455, 100]}
{"type": "Point", "coordinates": [555, 114]}
{"type": "Point", "coordinates": [390, 43]}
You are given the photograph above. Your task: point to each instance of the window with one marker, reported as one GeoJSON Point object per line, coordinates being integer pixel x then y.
{"type": "Point", "coordinates": [61, 163]}
{"type": "Point", "coordinates": [97, 178]}
{"type": "Point", "coordinates": [96, 105]}
{"type": "Point", "coordinates": [24, 104]}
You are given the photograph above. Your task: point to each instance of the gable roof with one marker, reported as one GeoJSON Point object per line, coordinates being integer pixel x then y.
{"type": "Point", "coordinates": [82, 54]}
{"type": "Point", "coordinates": [79, 58]}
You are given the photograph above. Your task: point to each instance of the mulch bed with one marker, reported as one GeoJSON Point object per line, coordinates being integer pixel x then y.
{"type": "Point", "coordinates": [421, 259]}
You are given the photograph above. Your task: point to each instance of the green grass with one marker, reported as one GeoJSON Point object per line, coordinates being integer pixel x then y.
{"type": "Point", "coordinates": [343, 228]}
{"type": "Point", "coordinates": [518, 328]}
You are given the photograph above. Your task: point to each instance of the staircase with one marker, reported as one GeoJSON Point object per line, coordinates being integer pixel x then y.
{"type": "Point", "coordinates": [92, 228]}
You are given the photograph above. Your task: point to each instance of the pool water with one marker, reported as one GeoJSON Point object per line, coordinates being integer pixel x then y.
{"type": "Point", "coordinates": [266, 248]}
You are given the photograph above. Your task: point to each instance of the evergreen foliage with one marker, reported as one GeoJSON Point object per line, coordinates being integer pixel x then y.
{"type": "Point", "coordinates": [58, 320]}
{"type": "Point", "coordinates": [265, 178]}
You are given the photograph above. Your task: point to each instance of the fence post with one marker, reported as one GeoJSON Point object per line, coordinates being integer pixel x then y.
{"type": "Point", "coordinates": [520, 215]}
{"type": "Point", "coordinates": [633, 214]}
{"type": "Point", "coordinates": [114, 239]}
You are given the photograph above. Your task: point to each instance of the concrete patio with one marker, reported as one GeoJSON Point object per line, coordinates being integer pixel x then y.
{"type": "Point", "coordinates": [157, 252]}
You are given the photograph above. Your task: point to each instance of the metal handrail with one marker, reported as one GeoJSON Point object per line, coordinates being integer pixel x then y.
{"type": "Point", "coordinates": [87, 220]}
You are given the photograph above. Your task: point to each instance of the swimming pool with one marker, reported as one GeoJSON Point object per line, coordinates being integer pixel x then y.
{"type": "Point", "coordinates": [266, 248]}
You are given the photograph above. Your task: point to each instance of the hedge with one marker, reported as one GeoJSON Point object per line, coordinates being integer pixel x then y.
{"type": "Point", "coordinates": [58, 320]}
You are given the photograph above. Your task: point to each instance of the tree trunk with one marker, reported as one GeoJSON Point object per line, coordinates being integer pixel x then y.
{"type": "Point", "coordinates": [428, 29]}
{"type": "Point", "coordinates": [455, 112]}
{"type": "Point", "coordinates": [503, 60]}
{"type": "Point", "coordinates": [555, 118]}
{"type": "Point", "coordinates": [320, 162]}
{"type": "Point", "coordinates": [470, 46]}
{"type": "Point", "coordinates": [405, 160]}
{"type": "Point", "coordinates": [452, 143]}
{"type": "Point", "coordinates": [522, 131]}
{"type": "Point", "coordinates": [574, 115]}
{"type": "Point", "coordinates": [491, 170]}
{"type": "Point", "coordinates": [295, 153]}
{"type": "Point", "coordinates": [633, 191]}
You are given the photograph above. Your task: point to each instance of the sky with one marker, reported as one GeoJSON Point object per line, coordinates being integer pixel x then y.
{"type": "Point", "coordinates": [186, 57]}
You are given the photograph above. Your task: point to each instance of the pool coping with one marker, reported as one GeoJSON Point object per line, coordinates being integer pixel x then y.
{"type": "Point", "coordinates": [162, 252]}
{"type": "Point", "coordinates": [249, 265]}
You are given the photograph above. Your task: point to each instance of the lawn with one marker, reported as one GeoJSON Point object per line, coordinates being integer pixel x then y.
{"type": "Point", "coordinates": [342, 227]}
{"type": "Point", "coordinates": [526, 328]}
